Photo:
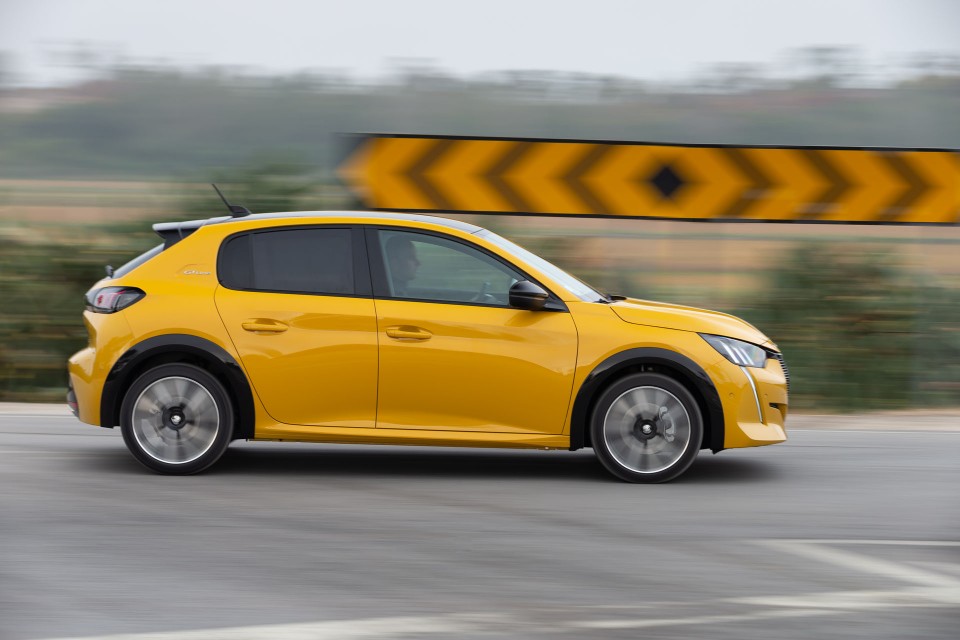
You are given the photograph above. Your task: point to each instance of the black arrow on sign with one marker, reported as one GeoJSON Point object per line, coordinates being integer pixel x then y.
{"type": "Point", "coordinates": [915, 189]}
{"type": "Point", "coordinates": [496, 177]}
{"type": "Point", "coordinates": [760, 183]}
{"type": "Point", "coordinates": [574, 179]}
{"type": "Point", "coordinates": [838, 183]}
{"type": "Point", "coordinates": [417, 173]}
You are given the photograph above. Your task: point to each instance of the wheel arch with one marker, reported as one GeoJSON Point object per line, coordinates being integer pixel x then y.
{"type": "Point", "coordinates": [179, 348]}
{"type": "Point", "coordinates": [671, 363]}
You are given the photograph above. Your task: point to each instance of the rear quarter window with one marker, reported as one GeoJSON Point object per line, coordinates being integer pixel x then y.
{"type": "Point", "coordinates": [136, 262]}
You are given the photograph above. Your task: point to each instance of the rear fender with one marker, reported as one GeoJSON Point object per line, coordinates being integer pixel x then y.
{"type": "Point", "coordinates": [171, 348]}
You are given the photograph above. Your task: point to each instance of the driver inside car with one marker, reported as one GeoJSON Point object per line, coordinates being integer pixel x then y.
{"type": "Point", "coordinates": [403, 262]}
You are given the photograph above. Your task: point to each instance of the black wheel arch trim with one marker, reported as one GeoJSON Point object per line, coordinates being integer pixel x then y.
{"type": "Point", "coordinates": [129, 365]}
{"type": "Point", "coordinates": [619, 363]}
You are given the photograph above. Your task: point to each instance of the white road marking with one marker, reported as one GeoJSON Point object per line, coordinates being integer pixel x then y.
{"type": "Point", "coordinates": [862, 600]}
{"type": "Point", "coordinates": [362, 629]}
{"type": "Point", "coordinates": [816, 550]}
{"type": "Point", "coordinates": [928, 590]}
{"type": "Point", "coordinates": [641, 623]}
{"type": "Point", "coordinates": [878, 542]}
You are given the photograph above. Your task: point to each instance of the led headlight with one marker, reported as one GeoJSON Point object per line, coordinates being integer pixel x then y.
{"type": "Point", "coordinates": [738, 352]}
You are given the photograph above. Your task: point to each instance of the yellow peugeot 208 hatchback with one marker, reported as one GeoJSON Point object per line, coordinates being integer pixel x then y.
{"type": "Point", "coordinates": [407, 329]}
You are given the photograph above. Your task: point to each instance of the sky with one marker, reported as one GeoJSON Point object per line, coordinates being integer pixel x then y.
{"type": "Point", "coordinates": [653, 40]}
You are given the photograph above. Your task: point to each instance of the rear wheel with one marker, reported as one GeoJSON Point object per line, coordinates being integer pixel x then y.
{"type": "Point", "coordinates": [177, 419]}
{"type": "Point", "coordinates": [646, 427]}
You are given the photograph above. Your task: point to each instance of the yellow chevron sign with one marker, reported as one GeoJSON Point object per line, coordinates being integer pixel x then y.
{"type": "Point", "coordinates": [632, 179]}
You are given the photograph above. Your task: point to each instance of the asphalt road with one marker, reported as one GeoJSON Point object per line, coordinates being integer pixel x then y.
{"type": "Point", "coordinates": [835, 534]}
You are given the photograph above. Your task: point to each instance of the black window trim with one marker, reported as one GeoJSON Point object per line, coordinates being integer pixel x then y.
{"type": "Point", "coordinates": [378, 271]}
{"type": "Point", "coordinates": [362, 282]}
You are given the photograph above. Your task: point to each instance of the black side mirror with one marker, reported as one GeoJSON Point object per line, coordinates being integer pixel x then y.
{"type": "Point", "coordinates": [527, 295]}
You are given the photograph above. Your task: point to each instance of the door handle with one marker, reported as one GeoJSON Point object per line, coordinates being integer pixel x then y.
{"type": "Point", "coordinates": [408, 333]}
{"type": "Point", "coordinates": [264, 326]}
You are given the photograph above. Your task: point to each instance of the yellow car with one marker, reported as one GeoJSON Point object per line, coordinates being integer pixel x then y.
{"type": "Point", "coordinates": [407, 329]}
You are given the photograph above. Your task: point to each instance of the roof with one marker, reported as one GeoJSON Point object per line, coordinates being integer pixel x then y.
{"type": "Point", "coordinates": [173, 232]}
{"type": "Point", "coordinates": [372, 215]}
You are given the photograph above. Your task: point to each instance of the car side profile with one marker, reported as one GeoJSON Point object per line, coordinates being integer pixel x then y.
{"type": "Point", "coordinates": [381, 328]}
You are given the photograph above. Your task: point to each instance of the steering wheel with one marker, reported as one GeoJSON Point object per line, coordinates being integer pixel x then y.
{"type": "Point", "coordinates": [483, 296]}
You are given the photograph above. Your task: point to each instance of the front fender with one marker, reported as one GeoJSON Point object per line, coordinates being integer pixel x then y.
{"type": "Point", "coordinates": [680, 366]}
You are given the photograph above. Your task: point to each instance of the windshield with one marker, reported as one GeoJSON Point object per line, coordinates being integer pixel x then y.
{"type": "Point", "coordinates": [574, 285]}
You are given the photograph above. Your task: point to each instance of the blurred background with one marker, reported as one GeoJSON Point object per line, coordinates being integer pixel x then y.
{"type": "Point", "coordinates": [117, 115]}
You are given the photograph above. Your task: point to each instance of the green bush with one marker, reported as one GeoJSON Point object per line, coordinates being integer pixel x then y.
{"type": "Point", "coordinates": [42, 283]}
{"type": "Point", "coordinates": [860, 332]}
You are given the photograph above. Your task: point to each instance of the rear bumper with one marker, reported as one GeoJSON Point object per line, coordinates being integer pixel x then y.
{"type": "Point", "coordinates": [72, 399]}
{"type": "Point", "coordinates": [85, 386]}
{"type": "Point", "coordinates": [88, 368]}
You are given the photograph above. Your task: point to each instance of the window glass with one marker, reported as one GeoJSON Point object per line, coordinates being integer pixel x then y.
{"type": "Point", "coordinates": [574, 285]}
{"type": "Point", "coordinates": [291, 260]}
{"type": "Point", "coordinates": [136, 262]}
{"type": "Point", "coordinates": [426, 267]}
{"type": "Point", "coordinates": [236, 263]}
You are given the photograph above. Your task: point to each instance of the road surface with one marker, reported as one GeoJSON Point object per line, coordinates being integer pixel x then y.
{"type": "Point", "coordinates": [838, 533]}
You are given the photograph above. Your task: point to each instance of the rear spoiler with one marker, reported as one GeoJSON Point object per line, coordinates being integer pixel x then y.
{"type": "Point", "coordinates": [173, 232]}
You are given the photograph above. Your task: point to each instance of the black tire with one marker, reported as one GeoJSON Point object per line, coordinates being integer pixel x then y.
{"type": "Point", "coordinates": [646, 427]}
{"type": "Point", "coordinates": [177, 419]}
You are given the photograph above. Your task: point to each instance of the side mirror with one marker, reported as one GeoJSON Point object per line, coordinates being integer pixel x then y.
{"type": "Point", "coordinates": [527, 295]}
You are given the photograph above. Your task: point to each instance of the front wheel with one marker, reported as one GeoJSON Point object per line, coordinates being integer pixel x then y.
{"type": "Point", "coordinates": [646, 427]}
{"type": "Point", "coordinates": [176, 419]}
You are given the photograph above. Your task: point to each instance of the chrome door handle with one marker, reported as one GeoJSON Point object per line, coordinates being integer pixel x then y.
{"type": "Point", "coordinates": [264, 326]}
{"type": "Point", "coordinates": [408, 333]}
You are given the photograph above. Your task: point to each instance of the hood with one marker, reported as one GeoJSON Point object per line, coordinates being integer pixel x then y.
{"type": "Point", "coordinates": [675, 316]}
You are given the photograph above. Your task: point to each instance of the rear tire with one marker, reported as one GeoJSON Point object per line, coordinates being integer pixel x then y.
{"type": "Point", "coordinates": [177, 419]}
{"type": "Point", "coordinates": [646, 427]}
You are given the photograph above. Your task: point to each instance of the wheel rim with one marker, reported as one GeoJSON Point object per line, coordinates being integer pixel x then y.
{"type": "Point", "coordinates": [175, 420]}
{"type": "Point", "coordinates": [647, 429]}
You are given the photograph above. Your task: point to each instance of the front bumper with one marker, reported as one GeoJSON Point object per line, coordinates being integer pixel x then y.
{"type": "Point", "coordinates": [755, 403]}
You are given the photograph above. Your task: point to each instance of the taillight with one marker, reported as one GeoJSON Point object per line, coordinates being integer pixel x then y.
{"type": "Point", "coordinates": [112, 299]}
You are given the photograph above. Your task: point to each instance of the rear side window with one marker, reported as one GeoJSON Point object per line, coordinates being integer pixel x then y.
{"type": "Point", "coordinates": [136, 262]}
{"type": "Point", "coordinates": [318, 261]}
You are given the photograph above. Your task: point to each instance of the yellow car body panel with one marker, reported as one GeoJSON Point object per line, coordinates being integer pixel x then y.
{"type": "Point", "coordinates": [473, 367]}
{"type": "Point", "coordinates": [317, 366]}
{"type": "Point", "coordinates": [334, 374]}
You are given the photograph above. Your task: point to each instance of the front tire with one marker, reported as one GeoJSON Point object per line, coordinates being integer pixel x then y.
{"type": "Point", "coordinates": [646, 427]}
{"type": "Point", "coordinates": [177, 419]}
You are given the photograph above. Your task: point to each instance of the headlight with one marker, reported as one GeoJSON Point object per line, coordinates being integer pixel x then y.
{"type": "Point", "coordinates": [738, 352]}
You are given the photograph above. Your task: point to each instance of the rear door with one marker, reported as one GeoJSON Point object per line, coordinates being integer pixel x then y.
{"type": "Point", "coordinates": [297, 304]}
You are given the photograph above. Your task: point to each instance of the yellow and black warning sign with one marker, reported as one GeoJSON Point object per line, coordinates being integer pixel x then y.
{"type": "Point", "coordinates": [650, 180]}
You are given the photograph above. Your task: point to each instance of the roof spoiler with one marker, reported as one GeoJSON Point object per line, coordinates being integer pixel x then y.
{"type": "Point", "coordinates": [173, 232]}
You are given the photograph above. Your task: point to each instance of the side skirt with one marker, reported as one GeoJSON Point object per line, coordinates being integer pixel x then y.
{"type": "Point", "coordinates": [414, 437]}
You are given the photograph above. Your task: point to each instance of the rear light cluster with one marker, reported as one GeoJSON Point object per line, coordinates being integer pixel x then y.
{"type": "Point", "coordinates": [112, 299]}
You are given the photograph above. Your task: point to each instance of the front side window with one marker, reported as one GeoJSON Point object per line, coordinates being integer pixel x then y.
{"type": "Point", "coordinates": [574, 285]}
{"type": "Point", "coordinates": [317, 261]}
{"type": "Point", "coordinates": [420, 266]}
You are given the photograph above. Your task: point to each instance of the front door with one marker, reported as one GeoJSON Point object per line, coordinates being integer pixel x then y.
{"type": "Point", "coordinates": [296, 304]}
{"type": "Point", "coordinates": [453, 354]}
